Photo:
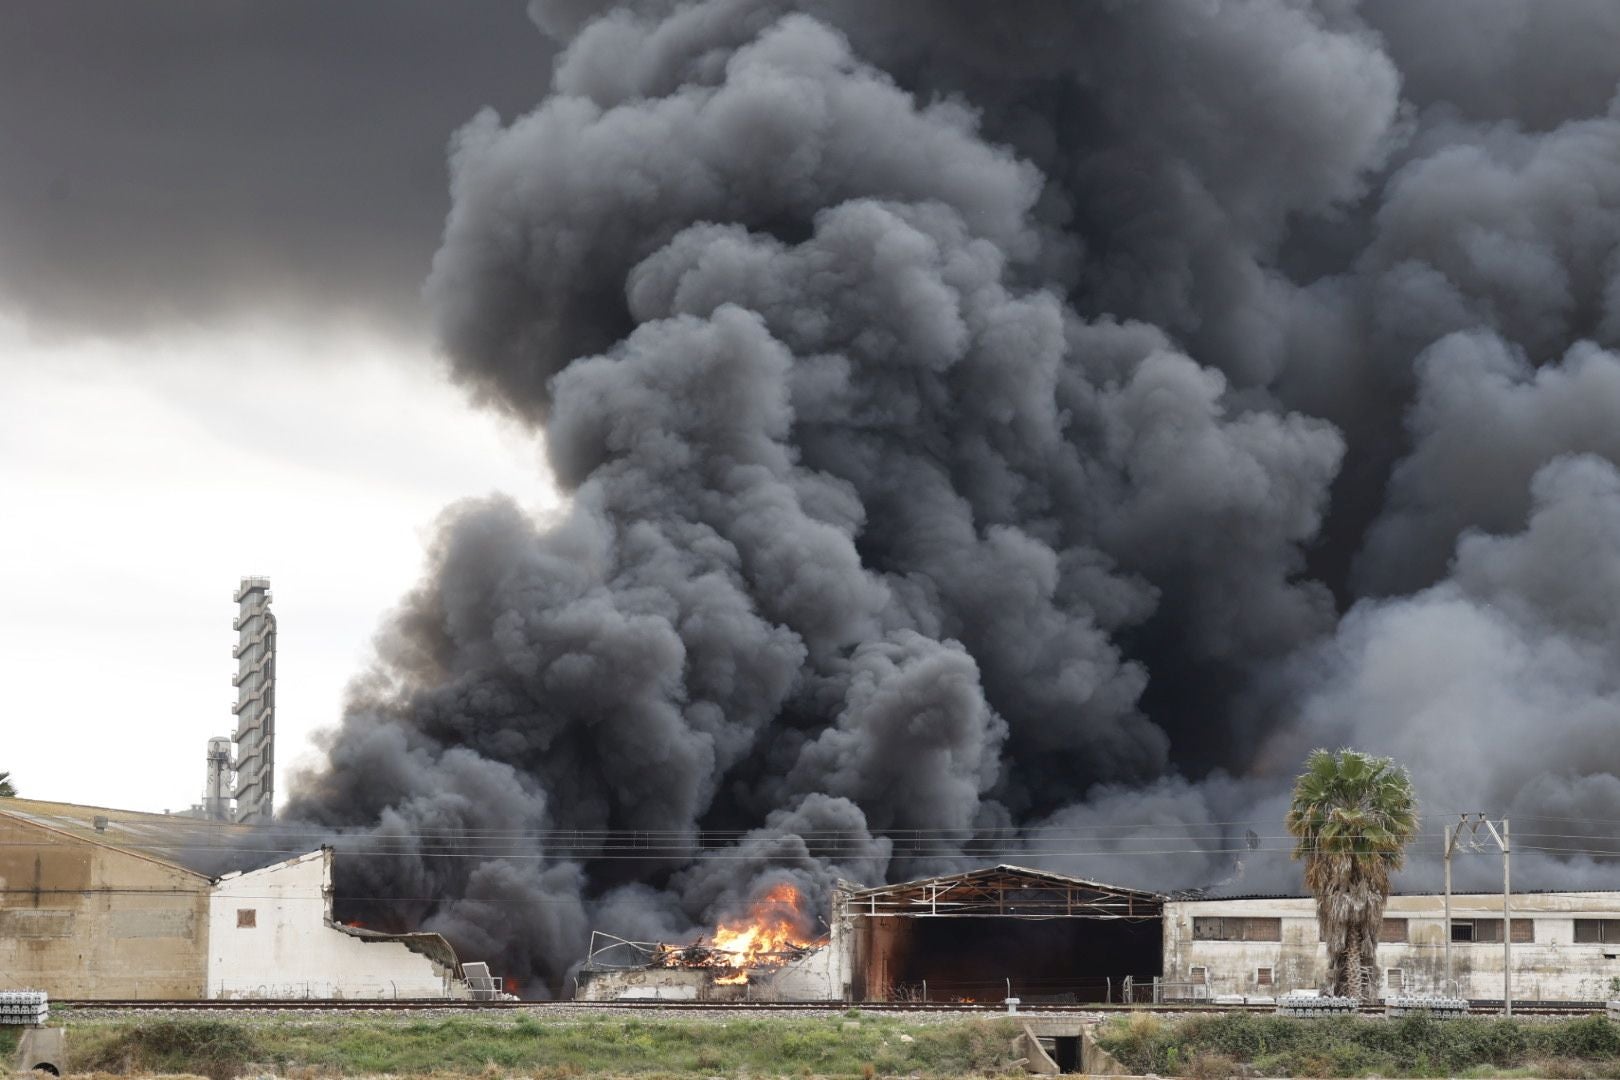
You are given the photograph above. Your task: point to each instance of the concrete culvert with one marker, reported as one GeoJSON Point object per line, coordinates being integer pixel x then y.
{"type": "Point", "coordinates": [42, 1050]}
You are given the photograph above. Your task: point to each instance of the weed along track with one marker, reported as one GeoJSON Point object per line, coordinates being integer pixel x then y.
{"type": "Point", "coordinates": [1415, 1046]}
{"type": "Point", "coordinates": [223, 1040]}
{"type": "Point", "coordinates": [306, 1042]}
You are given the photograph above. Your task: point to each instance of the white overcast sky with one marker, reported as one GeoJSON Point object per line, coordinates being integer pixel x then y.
{"type": "Point", "coordinates": [142, 479]}
{"type": "Point", "coordinates": [215, 361]}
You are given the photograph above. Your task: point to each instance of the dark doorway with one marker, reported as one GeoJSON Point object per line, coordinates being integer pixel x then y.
{"type": "Point", "coordinates": [988, 958]}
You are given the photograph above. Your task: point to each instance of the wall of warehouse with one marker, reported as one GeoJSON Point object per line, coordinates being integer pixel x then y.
{"type": "Point", "coordinates": [1566, 946]}
{"type": "Point", "coordinates": [272, 935]}
{"type": "Point", "coordinates": [86, 920]}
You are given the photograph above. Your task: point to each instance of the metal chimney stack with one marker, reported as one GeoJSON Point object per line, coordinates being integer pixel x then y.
{"type": "Point", "coordinates": [255, 706]}
{"type": "Point", "coordinates": [217, 794]}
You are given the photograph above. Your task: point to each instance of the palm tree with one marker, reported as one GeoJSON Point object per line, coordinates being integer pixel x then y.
{"type": "Point", "coordinates": [1352, 816]}
{"type": "Point", "coordinates": [6, 790]}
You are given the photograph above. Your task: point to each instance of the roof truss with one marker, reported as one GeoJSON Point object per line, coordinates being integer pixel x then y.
{"type": "Point", "coordinates": [1004, 892]}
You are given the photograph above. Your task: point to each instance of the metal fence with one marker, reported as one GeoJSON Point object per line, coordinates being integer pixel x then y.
{"type": "Point", "coordinates": [1160, 991]}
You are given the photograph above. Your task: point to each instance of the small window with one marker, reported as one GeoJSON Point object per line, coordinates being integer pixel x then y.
{"type": "Point", "coordinates": [1262, 976]}
{"type": "Point", "coordinates": [1236, 928]}
{"type": "Point", "coordinates": [1489, 931]}
{"type": "Point", "coordinates": [1596, 932]}
{"type": "Point", "coordinates": [1198, 974]}
{"type": "Point", "coordinates": [1396, 978]}
{"type": "Point", "coordinates": [246, 917]}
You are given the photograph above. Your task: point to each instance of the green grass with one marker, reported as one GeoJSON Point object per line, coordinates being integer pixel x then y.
{"type": "Point", "coordinates": [1355, 1046]}
{"type": "Point", "coordinates": [870, 1046]}
{"type": "Point", "coordinates": [9, 1037]}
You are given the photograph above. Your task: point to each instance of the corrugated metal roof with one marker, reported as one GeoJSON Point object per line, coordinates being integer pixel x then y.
{"type": "Point", "coordinates": [1008, 868]}
{"type": "Point", "coordinates": [192, 845]}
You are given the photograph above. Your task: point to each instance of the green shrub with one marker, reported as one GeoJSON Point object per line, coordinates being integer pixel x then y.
{"type": "Point", "coordinates": [1595, 1037]}
{"type": "Point", "coordinates": [548, 1049]}
{"type": "Point", "coordinates": [1207, 1065]}
{"type": "Point", "coordinates": [215, 1048]}
{"type": "Point", "coordinates": [1414, 1046]}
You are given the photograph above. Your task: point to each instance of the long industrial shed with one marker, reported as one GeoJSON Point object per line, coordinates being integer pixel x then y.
{"type": "Point", "coordinates": [98, 903]}
{"type": "Point", "coordinates": [1013, 931]}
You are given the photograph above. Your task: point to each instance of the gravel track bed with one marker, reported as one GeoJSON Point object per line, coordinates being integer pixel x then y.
{"type": "Point", "coordinates": [508, 1017]}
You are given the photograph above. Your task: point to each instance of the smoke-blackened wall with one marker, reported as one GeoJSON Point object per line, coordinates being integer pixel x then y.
{"type": "Point", "coordinates": [994, 429]}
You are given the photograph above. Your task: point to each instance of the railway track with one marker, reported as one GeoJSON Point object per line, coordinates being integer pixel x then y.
{"type": "Point", "coordinates": [1569, 1008]}
{"type": "Point", "coordinates": [654, 1006]}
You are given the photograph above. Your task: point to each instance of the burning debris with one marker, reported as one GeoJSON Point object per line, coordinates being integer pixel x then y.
{"type": "Point", "coordinates": [769, 937]}
{"type": "Point", "coordinates": [735, 965]}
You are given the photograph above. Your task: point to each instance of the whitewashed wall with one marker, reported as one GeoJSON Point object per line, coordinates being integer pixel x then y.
{"type": "Point", "coordinates": [1552, 968]}
{"type": "Point", "coordinates": [294, 950]}
{"type": "Point", "coordinates": [824, 975]}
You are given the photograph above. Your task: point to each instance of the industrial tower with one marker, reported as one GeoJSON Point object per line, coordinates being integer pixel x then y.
{"type": "Point", "coordinates": [216, 804]}
{"type": "Point", "coordinates": [255, 706]}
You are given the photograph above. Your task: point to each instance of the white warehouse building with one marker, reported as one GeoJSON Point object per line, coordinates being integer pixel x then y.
{"type": "Point", "coordinates": [1565, 946]}
{"type": "Point", "coordinates": [271, 934]}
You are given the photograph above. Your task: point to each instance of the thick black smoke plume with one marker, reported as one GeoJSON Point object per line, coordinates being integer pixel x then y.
{"type": "Point", "coordinates": [1012, 431]}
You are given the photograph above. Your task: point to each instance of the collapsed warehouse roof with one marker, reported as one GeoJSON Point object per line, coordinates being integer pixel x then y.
{"type": "Point", "coordinates": [765, 950]}
{"type": "Point", "coordinates": [979, 935]}
{"type": "Point", "coordinates": [1003, 931]}
{"type": "Point", "coordinates": [619, 969]}
{"type": "Point", "coordinates": [1007, 891]}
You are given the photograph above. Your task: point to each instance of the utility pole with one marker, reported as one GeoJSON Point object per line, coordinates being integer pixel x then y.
{"type": "Point", "coordinates": [1472, 823]}
{"type": "Point", "coordinates": [1450, 844]}
{"type": "Point", "coordinates": [1501, 839]}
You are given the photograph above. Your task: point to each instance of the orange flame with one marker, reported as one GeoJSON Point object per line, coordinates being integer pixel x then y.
{"type": "Point", "coordinates": [771, 926]}
{"type": "Point", "coordinates": [767, 937]}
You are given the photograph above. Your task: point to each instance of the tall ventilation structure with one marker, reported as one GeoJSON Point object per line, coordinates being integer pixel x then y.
{"type": "Point", "coordinates": [255, 706]}
{"type": "Point", "coordinates": [216, 804]}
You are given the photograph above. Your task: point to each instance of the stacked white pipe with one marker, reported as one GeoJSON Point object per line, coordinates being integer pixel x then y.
{"type": "Point", "coordinates": [1316, 1005]}
{"type": "Point", "coordinates": [27, 1007]}
{"type": "Point", "coordinates": [1425, 1005]}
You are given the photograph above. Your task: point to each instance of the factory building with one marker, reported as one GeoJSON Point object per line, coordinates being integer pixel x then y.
{"type": "Point", "coordinates": [1010, 931]}
{"type": "Point", "coordinates": [1565, 946]}
{"type": "Point", "coordinates": [109, 904]}
{"type": "Point", "coordinates": [91, 908]}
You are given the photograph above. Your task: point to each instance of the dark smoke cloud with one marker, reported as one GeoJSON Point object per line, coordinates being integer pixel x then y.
{"type": "Point", "coordinates": [1012, 431]}
{"type": "Point", "coordinates": [169, 163]}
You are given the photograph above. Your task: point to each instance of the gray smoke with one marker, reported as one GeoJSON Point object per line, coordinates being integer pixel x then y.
{"type": "Point", "coordinates": [1002, 432]}
{"type": "Point", "coordinates": [169, 164]}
